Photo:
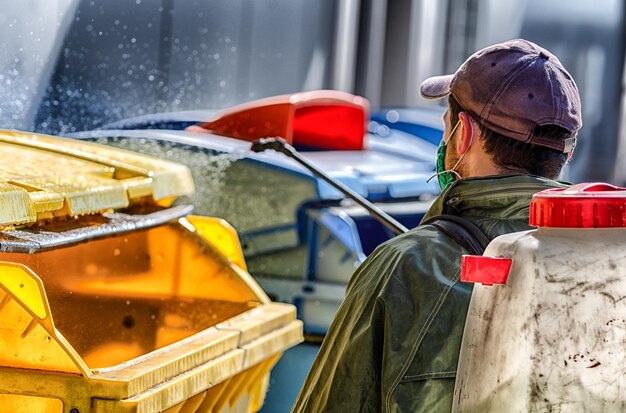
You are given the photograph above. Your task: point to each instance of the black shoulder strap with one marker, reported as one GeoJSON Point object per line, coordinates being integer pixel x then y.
{"type": "Point", "coordinates": [464, 232]}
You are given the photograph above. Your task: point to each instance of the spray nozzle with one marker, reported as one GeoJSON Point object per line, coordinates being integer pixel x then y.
{"type": "Point", "coordinates": [278, 144]}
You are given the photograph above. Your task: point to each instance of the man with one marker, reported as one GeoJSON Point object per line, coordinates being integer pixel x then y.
{"type": "Point", "coordinates": [511, 124]}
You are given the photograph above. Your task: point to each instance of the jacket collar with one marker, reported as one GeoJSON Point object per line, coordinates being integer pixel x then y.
{"type": "Point", "coordinates": [491, 195]}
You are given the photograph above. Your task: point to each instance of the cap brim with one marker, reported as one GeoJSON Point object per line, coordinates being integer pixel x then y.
{"type": "Point", "coordinates": [436, 87]}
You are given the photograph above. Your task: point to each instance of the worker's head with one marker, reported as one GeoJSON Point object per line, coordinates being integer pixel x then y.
{"type": "Point", "coordinates": [513, 108]}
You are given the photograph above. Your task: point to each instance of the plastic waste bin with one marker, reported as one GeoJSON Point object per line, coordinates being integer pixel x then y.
{"type": "Point", "coordinates": [112, 300]}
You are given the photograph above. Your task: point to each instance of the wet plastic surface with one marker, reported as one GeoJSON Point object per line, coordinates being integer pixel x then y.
{"type": "Point", "coordinates": [85, 179]}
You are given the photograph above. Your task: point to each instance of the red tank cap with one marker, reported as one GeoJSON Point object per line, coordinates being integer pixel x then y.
{"type": "Point", "coordinates": [586, 205]}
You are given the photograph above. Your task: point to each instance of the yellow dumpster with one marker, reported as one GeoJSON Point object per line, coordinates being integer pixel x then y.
{"type": "Point", "coordinates": [112, 300]}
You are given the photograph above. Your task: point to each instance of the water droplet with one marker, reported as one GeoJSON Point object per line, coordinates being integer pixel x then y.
{"type": "Point", "coordinates": [393, 116]}
{"type": "Point", "coordinates": [382, 130]}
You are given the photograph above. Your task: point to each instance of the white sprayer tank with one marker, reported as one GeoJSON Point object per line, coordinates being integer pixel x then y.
{"type": "Point", "coordinates": [550, 337]}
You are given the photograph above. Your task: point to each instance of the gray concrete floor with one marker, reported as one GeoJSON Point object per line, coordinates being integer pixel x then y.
{"type": "Point", "coordinates": [287, 377]}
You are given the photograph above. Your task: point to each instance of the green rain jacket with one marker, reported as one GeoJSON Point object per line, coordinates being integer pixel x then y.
{"type": "Point", "coordinates": [394, 343]}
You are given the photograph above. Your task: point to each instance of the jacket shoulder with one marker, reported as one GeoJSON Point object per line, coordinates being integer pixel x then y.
{"type": "Point", "coordinates": [422, 253]}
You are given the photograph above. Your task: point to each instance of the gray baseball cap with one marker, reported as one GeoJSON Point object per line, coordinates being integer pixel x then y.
{"type": "Point", "coordinates": [511, 88]}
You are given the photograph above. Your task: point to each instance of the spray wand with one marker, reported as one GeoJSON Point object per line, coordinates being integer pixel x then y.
{"type": "Point", "coordinates": [279, 145]}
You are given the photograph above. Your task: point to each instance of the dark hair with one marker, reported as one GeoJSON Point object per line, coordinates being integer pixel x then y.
{"type": "Point", "coordinates": [513, 155]}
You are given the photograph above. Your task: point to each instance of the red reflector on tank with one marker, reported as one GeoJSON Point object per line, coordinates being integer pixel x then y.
{"type": "Point", "coordinates": [484, 270]}
{"type": "Point", "coordinates": [322, 119]}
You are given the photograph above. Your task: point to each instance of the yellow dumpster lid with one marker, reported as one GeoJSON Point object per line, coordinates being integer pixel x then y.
{"type": "Point", "coordinates": [49, 177]}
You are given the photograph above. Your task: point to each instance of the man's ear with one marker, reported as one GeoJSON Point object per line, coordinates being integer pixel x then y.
{"type": "Point", "coordinates": [466, 133]}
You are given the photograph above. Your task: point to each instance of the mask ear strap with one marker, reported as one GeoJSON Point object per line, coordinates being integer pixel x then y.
{"type": "Point", "coordinates": [458, 122]}
{"type": "Point", "coordinates": [453, 170]}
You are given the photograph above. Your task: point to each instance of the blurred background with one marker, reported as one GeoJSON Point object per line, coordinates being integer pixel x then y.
{"type": "Point", "coordinates": [72, 65]}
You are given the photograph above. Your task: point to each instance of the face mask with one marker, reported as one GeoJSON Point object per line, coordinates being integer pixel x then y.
{"type": "Point", "coordinates": [446, 177]}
